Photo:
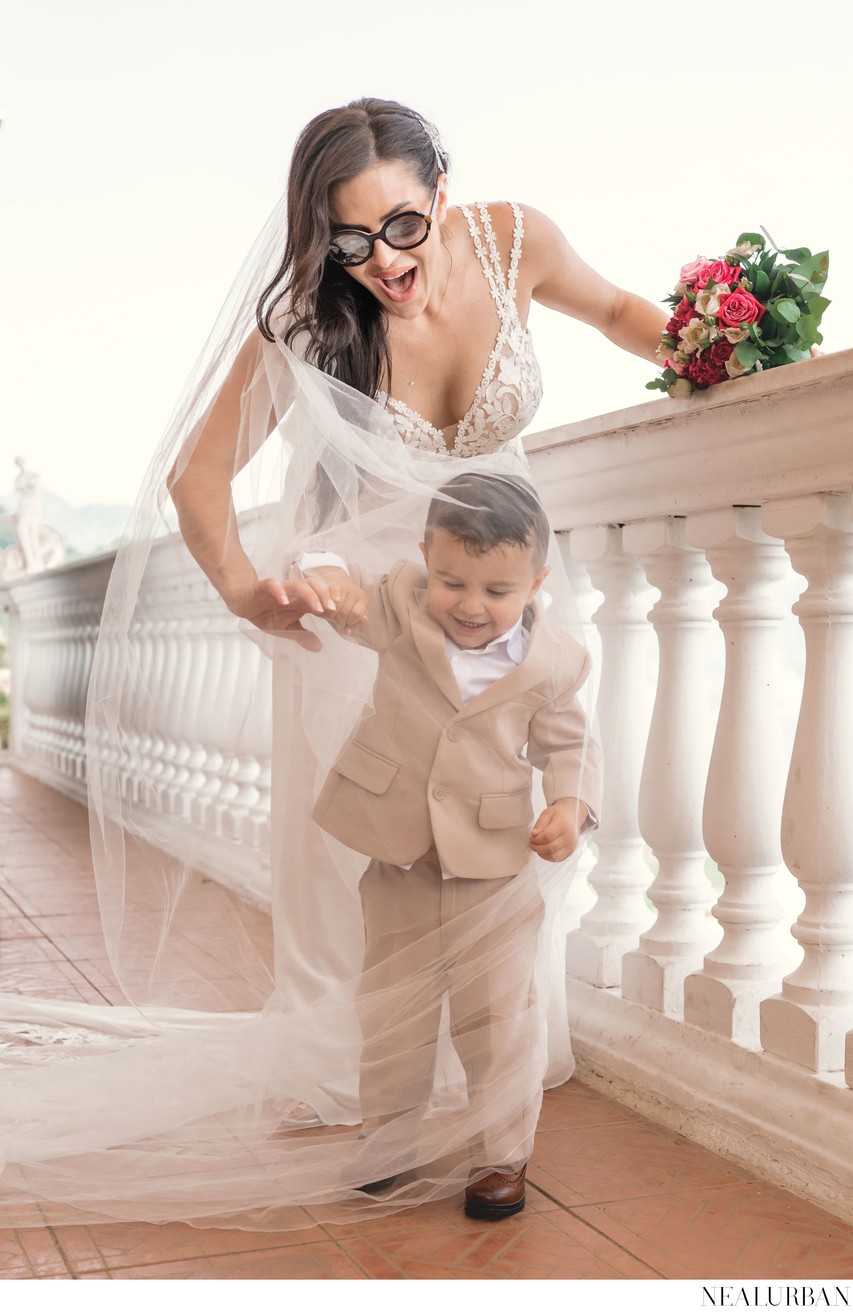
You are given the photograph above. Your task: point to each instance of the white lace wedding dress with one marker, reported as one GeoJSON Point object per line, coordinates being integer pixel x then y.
{"type": "Point", "coordinates": [511, 386]}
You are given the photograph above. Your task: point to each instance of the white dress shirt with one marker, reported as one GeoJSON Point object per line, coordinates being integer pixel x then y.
{"type": "Point", "coordinates": [476, 669]}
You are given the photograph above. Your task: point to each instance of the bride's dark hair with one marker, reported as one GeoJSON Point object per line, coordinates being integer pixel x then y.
{"type": "Point", "coordinates": [345, 325]}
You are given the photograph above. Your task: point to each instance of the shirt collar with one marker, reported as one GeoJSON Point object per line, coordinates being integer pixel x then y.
{"type": "Point", "coordinates": [513, 641]}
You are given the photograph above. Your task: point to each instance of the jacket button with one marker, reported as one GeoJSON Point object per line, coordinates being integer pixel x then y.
{"type": "Point", "coordinates": [454, 733]}
{"type": "Point", "coordinates": [439, 792]}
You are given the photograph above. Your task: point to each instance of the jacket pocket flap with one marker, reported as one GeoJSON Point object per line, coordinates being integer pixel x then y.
{"type": "Point", "coordinates": [366, 768]}
{"type": "Point", "coordinates": [505, 810]}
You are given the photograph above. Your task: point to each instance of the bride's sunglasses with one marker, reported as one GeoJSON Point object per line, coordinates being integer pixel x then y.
{"type": "Point", "coordinates": [403, 232]}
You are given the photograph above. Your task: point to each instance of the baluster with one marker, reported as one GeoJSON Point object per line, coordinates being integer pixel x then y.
{"type": "Point", "coordinates": [57, 645]}
{"type": "Point", "coordinates": [214, 763]}
{"type": "Point", "coordinates": [155, 700]}
{"type": "Point", "coordinates": [255, 672]}
{"type": "Point", "coordinates": [78, 684]}
{"type": "Point", "coordinates": [743, 798]}
{"type": "Point", "coordinates": [180, 671]}
{"type": "Point", "coordinates": [579, 896]}
{"type": "Point", "coordinates": [189, 778]}
{"type": "Point", "coordinates": [145, 635]}
{"type": "Point", "coordinates": [36, 692]}
{"type": "Point", "coordinates": [621, 875]}
{"type": "Point", "coordinates": [232, 711]}
{"type": "Point", "coordinates": [808, 1020]}
{"type": "Point", "coordinates": [673, 778]}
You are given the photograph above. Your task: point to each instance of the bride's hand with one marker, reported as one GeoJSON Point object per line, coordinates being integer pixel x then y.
{"type": "Point", "coordinates": [279, 608]}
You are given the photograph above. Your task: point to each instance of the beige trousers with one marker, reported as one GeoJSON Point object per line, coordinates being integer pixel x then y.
{"type": "Point", "coordinates": [425, 937]}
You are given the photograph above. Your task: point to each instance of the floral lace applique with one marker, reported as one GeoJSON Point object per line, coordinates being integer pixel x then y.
{"type": "Point", "coordinates": [511, 387]}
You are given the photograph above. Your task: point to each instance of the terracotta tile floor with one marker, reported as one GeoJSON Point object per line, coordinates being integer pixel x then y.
{"type": "Point", "coordinates": [612, 1196]}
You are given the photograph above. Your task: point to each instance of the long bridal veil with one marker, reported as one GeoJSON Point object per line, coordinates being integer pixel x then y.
{"type": "Point", "coordinates": [226, 1091]}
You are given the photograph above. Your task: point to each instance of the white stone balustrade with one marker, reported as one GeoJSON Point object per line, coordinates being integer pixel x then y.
{"type": "Point", "coordinates": [711, 501]}
{"type": "Point", "coordinates": [725, 1049]}
{"type": "Point", "coordinates": [176, 765]}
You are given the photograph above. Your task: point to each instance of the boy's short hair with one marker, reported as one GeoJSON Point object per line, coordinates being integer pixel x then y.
{"type": "Point", "coordinates": [490, 510]}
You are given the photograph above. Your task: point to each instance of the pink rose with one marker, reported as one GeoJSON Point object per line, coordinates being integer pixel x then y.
{"type": "Point", "coordinates": [738, 308]}
{"type": "Point", "coordinates": [694, 270]}
{"type": "Point", "coordinates": [718, 271]}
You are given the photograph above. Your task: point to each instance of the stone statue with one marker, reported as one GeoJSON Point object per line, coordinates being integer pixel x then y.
{"type": "Point", "coordinates": [37, 546]}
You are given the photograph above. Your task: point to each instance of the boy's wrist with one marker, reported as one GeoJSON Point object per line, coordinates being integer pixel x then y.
{"type": "Point", "coordinates": [578, 808]}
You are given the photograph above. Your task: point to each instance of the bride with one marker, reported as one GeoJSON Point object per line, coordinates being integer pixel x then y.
{"type": "Point", "coordinates": [349, 379]}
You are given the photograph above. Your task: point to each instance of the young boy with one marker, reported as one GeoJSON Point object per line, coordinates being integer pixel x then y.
{"type": "Point", "coordinates": [435, 787]}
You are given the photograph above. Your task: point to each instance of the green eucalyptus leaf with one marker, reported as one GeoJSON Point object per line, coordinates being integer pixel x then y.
{"type": "Point", "coordinates": [761, 283]}
{"type": "Point", "coordinates": [747, 353]}
{"type": "Point", "coordinates": [806, 332]}
{"type": "Point", "coordinates": [785, 310]}
{"type": "Point", "coordinates": [754, 238]}
{"type": "Point", "coordinates": [789, 310]}
{"type": "Point", "coordinates": [813, 268]}
{"type": "Point", "coordinates": [817, 305]}
{"type": "Point", "coordinates": [795, 353]}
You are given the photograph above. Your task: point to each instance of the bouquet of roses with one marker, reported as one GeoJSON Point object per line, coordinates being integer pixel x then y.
{"type": "Point", "coordinates": [753, 309]}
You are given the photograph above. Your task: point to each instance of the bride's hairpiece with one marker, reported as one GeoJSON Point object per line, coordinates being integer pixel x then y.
{"type": "Point", "coordinates": [435, 141]}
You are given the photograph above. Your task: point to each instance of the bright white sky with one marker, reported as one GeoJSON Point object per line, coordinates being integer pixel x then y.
{"type": "Point", "coordinates": [143, 145]}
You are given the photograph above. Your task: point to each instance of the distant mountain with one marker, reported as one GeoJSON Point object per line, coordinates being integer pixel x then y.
{"type": "Point", "coordinates": [86, 530]}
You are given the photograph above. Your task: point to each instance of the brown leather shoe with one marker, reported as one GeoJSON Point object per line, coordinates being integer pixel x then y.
{"type": "Point", "coordinates": [496, 1196]}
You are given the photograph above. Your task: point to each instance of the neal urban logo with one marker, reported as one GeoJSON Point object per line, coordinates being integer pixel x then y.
{"type": "Point", "coordinates": [743, 1296]}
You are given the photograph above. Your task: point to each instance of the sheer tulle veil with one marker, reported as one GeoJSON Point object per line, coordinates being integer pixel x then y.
{"type": "Point", "coordinates": [228, 1094]}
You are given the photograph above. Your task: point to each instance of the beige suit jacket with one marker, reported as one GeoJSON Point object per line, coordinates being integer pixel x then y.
{"type": "Point", "coordinates": [424, 768]}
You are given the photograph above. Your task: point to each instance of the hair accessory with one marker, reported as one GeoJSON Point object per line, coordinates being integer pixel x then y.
{"type": "Point", "coordinates": [435, 141]}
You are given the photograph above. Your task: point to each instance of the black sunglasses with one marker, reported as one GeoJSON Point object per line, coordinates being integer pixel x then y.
{"type": "Point", "coordinates": [402, 233]}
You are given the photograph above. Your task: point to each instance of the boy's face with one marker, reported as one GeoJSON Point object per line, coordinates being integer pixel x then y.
{"type": "Point", "coordinates": [476, 598]}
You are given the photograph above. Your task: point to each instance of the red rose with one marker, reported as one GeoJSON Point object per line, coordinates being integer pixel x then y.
{"type": "Point", "coordinates": [681, 316]}
{"type": "Point", "coordinates": [739, 307]}
{"type": "Point", "coordinates": [720, 351]}
{"type": "Point", "coordinates": [709, 367]}
{"type": "Point", "coordinates": [719, 271]}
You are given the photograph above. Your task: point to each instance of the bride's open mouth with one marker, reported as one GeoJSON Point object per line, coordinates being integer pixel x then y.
{"type": "Point", "coordinates": [400, 286]}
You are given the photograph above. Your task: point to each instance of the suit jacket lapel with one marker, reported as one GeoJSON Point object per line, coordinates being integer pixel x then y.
{"type": "Point", "coordinates": [429, 640]}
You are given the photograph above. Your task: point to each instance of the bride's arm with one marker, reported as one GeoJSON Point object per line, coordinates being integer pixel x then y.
{"type": "Point", "coordinates": [199, 484]}
{"type": "Point", "coordinates": [553, 274]}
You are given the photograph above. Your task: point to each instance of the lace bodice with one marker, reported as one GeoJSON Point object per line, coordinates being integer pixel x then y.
{"type": "Point", "coordinates": [511, 386]}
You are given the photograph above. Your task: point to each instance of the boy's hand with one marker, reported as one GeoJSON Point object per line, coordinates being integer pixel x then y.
{"type": "Point", "coordinates": [557, 831]}
{"type": "Point", "coordinates": [347, 598]}
{"type": "Point", "coordinates": [278, 608]}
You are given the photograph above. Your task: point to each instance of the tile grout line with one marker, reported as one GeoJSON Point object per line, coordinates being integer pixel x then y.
{"type": "Point", "coordinates": [65, 1260]}
{"type": "Point", "coordinates": [570, 1211]}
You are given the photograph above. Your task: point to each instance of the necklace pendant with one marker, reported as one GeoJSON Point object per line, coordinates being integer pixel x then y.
{"type": "Point", "coordinates": [411, 382]}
